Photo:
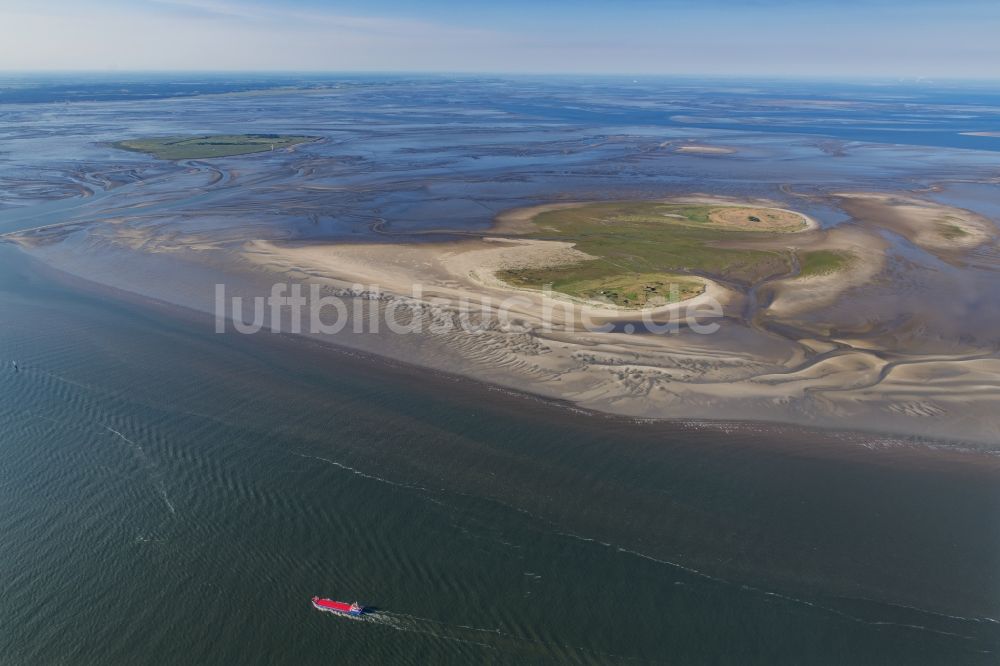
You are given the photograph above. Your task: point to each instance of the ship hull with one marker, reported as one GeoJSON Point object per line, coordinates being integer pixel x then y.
{"type": "Point", "coordinates": [337, 607]}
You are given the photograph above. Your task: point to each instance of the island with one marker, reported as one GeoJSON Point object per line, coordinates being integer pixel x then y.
{"type": "Point", "coordinates": [610, 305]}
{"type": "Point", "coordinates": [210, 145]}
{"type": "Point", "coordinates": [645, 252]}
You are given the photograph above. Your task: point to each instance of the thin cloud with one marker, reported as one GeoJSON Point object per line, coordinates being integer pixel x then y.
{"type": "Point", "coordinates": [280, 15]}
{"type": "Point", "coordinates": [639, 37]}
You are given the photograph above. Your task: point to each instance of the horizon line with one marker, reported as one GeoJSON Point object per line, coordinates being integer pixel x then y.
{"type": "Point", "coordinates": [500, 73]}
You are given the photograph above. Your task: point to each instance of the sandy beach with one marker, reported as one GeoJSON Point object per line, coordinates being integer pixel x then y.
{"type": "Point", "coordinates": [706, 150]}
{"type": "Point", "coordinates": [698, 148]}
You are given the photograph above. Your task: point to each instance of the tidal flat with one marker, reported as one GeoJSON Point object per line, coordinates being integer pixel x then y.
{"type": "Point", "coordinates": [892, 284]}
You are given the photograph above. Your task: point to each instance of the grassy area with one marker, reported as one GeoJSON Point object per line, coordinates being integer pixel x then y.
{"type": "Point", "coordinates": [950, 231]}
{"type": "Point", "coordinates": [218, 145]}
{"type": "Point", "coordinates": [643, 247]}
{"type": "Point", "coordinates": [823, 262]}
{"type": "Point", "coordinates": [627, 290]}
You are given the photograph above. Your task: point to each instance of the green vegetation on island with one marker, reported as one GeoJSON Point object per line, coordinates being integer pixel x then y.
{"type": "Point", "coordinates": [823, 262]}
{"type": "Point", "coordinates": [648, 253]}
{"type": "Point", "coordinates": [206, 146]}
{"type": "Point", "coordinates": [949, 230]}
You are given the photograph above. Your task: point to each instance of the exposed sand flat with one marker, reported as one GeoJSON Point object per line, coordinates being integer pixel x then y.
{"type": "Point", "coordinates": [938, 390]}
{"type": "Point", "coordinates": [739, 373]}
{"type": "Point", "coordinates": [837, 373]}
{"type": "Point", "coordinates": [935, 227]}
{"type": "Point", "coordinates": [800, 294]}
{"type": "Point", "coordinates": [695, 149]}
{"type": "Point", "coordinates": [459, 271]}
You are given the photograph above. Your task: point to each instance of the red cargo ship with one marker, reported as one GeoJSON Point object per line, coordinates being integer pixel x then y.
{"type": "Point", "coordinates": [331, 606]}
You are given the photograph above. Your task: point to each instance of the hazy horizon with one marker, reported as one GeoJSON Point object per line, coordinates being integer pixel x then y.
{"type": "Point", "coordinates": [761, 77]}
{"type": "Point", "coordinates": [769, 38]}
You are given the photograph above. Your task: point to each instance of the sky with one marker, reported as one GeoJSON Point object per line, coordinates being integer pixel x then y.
{"type": "Point", "coordinates": [802, 38]}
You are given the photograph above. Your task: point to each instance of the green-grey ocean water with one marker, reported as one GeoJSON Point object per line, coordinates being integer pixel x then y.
{"type": "Point", "coordinates": [172, 496]}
